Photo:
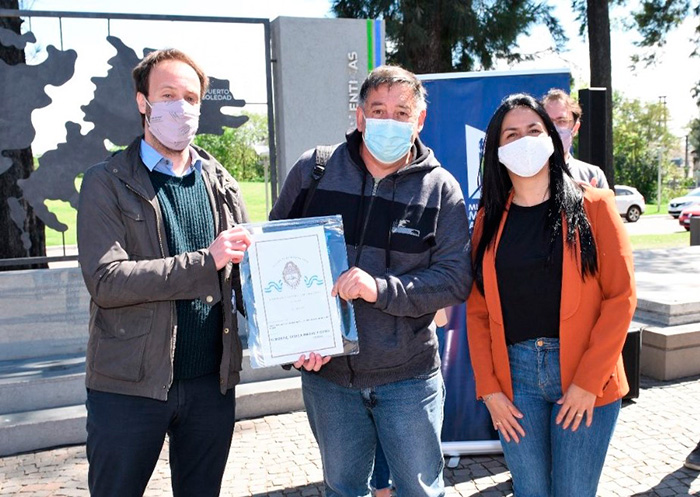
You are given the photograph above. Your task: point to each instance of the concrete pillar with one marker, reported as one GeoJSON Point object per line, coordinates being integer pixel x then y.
{"type": "Point", "coordinates": [319, 65]}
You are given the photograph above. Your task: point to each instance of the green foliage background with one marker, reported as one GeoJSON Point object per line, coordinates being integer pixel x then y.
{"type": "Point", "coordinates": [235, 148]}
{"type": "Point", "coordinates": [429, 36]}
{"type": "Point", "coordinates": [639, 133]}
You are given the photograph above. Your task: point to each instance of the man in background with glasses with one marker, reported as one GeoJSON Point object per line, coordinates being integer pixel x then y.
{"type": "Point", "coordinates": [566, 114]}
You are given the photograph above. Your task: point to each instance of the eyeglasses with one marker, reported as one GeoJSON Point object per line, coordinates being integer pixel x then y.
{"type": "Point", "coordinates": [563, 122]}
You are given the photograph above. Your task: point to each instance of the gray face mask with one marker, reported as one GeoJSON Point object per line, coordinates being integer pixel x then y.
{"type": "Point", "coordinates": [527, 155]}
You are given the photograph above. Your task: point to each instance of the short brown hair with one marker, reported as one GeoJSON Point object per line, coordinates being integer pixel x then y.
{"type": "Point", "coordinates": [142, 71]}
{"type": "Point", "coordinates": [555, 94]}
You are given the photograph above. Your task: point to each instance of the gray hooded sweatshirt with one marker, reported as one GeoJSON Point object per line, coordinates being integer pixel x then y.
{"type": "Point", "coordinates": [408, 230]}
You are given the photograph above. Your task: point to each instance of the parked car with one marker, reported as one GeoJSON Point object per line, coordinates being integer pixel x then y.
{"type": "Point", "coordinates": [630, 203]}
{"type": "Point", "coordinates": [687, 213]}
{"type": "Point", "coordinates": [676, 205]}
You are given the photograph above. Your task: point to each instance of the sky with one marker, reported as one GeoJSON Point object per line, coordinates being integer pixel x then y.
{"type": "Point", "coordinates": [673, 77]}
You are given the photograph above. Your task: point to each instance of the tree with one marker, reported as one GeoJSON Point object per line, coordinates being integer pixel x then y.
{"type": "Point", "coordinates": [429, 36]}
{"type": "Point", "coordinates": [694, 142]}
{"type": "Point", "coordinates": [694, 135]}
{"type": "Point", "coordinates": [12, 207]}
{"type": "Point", "coordinates": [235, 149]}
{"type": "Point", "coordinates": [640, 132]}
{"type": "Point", "coordinates": [601, 71]}
{"type": "Point", "coordinates": [594, 16]}
{"type": "Point", "coordinates": [656, 18]}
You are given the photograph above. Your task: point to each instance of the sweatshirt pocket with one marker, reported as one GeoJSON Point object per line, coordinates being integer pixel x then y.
{"type": "Point", "coordinates": [121, 342]}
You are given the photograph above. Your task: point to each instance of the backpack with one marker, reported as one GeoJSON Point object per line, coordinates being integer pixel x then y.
{"type": "Point", "coordinates": [323, 153]}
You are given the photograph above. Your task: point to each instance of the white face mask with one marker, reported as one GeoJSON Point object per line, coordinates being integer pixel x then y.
{"type": "Point", "coordinates": [527, 155]}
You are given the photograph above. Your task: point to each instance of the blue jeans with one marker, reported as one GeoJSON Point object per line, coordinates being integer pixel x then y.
{"type": "Point", "coordinates": [551, 461]}
{"type": "Point", "coordinates": [406, 416]}
{"type": "Point", "coordinates": [125, 435]}
{"type": "Point", "coordinates": [380, 474]}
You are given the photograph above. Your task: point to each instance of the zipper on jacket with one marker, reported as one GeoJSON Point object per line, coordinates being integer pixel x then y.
{"type": "Point", "coordinates": [352, 371]}
{"type": "Point", "coordinates": [172, 356]}
{"type": "Point", "coordinates": [173, 316]}
{"type": "Point", "coordinates": [361, 240]}
{"type": "Point", "coordinates": [219, 225]}
{"type": "Point", "coordinates": [358, 253]}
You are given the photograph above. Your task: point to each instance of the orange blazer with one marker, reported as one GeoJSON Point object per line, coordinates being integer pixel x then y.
{"type": "Point", "coordinates": [594, 317]}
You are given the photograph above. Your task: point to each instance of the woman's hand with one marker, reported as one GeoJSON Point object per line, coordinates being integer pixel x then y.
{"type": "Point", "coordinates": [504, 416]}
{"type": "Point", "coordinates": [574, 404]}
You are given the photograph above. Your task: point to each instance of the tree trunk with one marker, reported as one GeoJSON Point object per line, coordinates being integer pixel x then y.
{"type": "Point", "coordinates": [13, 209]}
{"type": "Point", "coordinates": [601, 71]}
{"type": "Point", "coordinates": [433, 54]}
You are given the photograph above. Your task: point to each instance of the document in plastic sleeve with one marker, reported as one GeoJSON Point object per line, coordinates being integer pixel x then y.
{"type": "Point", "coordinates": [287, 275]}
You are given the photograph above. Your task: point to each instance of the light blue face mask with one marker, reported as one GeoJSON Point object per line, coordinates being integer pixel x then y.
{"type": "Point", "coordinates": [388, 140]}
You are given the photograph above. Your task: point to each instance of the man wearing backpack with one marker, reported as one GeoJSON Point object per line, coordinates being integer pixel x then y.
{"type": "Point", "coordinates": [407, 239]}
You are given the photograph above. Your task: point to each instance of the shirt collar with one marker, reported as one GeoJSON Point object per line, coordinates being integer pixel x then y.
{"type": "Point", "coordinates": [154, 161]}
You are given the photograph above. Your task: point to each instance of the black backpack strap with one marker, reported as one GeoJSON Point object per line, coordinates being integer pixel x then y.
{"type": "Point", "coordinates": [323, 153]}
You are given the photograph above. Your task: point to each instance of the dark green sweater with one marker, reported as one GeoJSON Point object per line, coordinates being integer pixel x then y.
{"type": "Point", "coordinates": [189, 226]}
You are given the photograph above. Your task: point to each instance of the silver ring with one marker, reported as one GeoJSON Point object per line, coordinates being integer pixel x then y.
{"type": "Point", "coordinates": [579, 415]}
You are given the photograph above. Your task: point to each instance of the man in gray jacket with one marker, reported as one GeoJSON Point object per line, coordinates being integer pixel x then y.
{"type": "Point", "coordinates": [407, 239]}
{"type": "Point", "coordinates": [159, 244]}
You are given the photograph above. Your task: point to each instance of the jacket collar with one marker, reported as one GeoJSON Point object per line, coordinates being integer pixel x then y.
{"type": "Point", "coordinates": [154, 161]}
{"type": "Point", "coordinates": [129, 168]}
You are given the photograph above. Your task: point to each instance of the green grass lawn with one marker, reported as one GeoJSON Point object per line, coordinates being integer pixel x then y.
{"type": "Point", "coordinates": [652, 209]}
{"type": "Point", "coordinates": [66, 214]}
{"type": "Point", "coordinates": [253, 196]}
{"type": "Point", "coordinates": [646, 242]}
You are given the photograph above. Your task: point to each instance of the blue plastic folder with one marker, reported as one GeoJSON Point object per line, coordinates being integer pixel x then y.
{"type": "Point", "coordinates": [286, 276]}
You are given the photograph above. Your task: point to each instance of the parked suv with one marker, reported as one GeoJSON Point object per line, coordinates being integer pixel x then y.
{"type": "Point", "coordinates": [630, 203]}
{"type": "Point", "coordinates": [676, 205]}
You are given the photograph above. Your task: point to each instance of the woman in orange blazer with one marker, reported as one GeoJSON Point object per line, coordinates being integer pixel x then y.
{"type": "Point", "coordinates": [553, 299]}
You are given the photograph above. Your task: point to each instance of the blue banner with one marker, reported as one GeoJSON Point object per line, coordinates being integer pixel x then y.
{"type": "Point", "coordinates": [459, 109]}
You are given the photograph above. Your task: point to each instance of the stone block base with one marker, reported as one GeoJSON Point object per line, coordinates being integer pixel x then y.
{"type": "Point", "coordinates": [671, 352]}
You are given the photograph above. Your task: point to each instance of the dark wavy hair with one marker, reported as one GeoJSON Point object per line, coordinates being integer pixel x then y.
{"type": "Point", "coordinates": [565, 195]}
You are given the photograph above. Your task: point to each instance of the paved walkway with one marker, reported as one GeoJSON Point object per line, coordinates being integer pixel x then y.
{"type": "Point", "coordinates": [276, 456]}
